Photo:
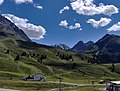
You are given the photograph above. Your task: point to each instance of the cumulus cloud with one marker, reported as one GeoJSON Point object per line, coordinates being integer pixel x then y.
{"type": "Point", "coordinates": [65, 24]}
{"type": "Point", "coordinates": [115, 27]}
{"type": "Point", "coordinates": [23, 1]}
{"type": "Point", "coordinates": [76, 26]}
{"type": "Point", "coordinates": [101, 23]}
{"type": "Point", "coordinates": [28, 1]}
{"type": "Point", "coordinates": [31, 30]}
{"type": "Point", "coordinates": [1, 1]}
{"type": "Point", "coordinates": [87, 7]}
{"type": "Point", "coordinates": [65, 8]}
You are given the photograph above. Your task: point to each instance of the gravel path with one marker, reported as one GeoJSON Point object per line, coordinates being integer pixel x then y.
{"type": "Point", "coordinates": [1, 89]}
{"type": "Point", "coordinates": [77, 85]}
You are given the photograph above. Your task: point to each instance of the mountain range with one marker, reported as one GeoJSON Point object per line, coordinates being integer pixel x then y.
{"type": "Point", "coordinates": [79, 47]}
{"type": "Point", "coordinates": [107, 48]}
{"type": "Point", "coordinates": [61, 46]}
{"type": "Point", "coordinates": [19, 56]}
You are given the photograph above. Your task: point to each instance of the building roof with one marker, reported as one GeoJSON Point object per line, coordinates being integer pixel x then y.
{"type": "Point", "coordinates": [115, 82]}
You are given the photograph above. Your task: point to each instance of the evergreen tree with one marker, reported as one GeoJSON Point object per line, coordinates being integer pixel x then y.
{"type": "Point", "coordinates": [74, 65]}
{"type": "Point", "coordinates": [113, 68]}
{"type": "Point", "coordinates": [17, 58]}
{"type": "Point", "coordinates": [7, 51]}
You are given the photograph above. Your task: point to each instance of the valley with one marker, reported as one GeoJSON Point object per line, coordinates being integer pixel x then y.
{"type": "Point", "coordinates": [76, 70]}
{"type": "Point", "coordinates": [79, 70]}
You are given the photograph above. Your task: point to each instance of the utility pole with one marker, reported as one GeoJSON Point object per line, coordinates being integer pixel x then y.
{"type": "Point", "coordinates": [60, 84]}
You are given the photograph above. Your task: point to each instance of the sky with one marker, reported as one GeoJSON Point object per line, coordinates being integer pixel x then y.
{"type": "Point", "coordinates": [52, 22]}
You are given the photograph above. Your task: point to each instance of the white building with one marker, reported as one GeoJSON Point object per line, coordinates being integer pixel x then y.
{"type": "Point", "coordinates": [114, 86]}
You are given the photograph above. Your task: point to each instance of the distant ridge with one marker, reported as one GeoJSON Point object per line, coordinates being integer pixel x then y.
{"type": "Point", "coordinates": [61, 46]}
{"type": "Point", "coordinates": [81, 46]}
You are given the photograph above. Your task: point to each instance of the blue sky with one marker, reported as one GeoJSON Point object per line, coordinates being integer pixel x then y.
{"type": "Point", "coordinates": [57, 28]}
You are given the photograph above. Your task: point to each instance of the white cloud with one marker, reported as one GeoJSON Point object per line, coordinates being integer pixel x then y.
{"type": "Point", "coordinates": [115, 27]}
{"type": "Point", "coordinates": [23, 1]}
{"type": "Point", "coordinates": [64, 23]}
{"type": "Point", "coordinates": [76, 26]}
{"type": "Point", "coordinates": [101, 23]}
{"type": "Point", "coordinates": [31, 30]}
{"type": "Point", "coordinates": [38, 6]}
{"type": "Point", "coordinates": [87, 7]}
{"type": "Point", "coordinates": [28, 1]}
{"type": "Point", "coordinates": [65, 8]}
{"type": "Point", "coordinates": [1, 1]}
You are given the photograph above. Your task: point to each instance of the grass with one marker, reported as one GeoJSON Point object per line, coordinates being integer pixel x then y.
{"type": "Point", "coordinates": [29, 85]}
{"type": "Point", "coordinates": [45, 86]}
{"type": "Point", "coordinates": [52, 67]}
{"type": "Point", "coordinates": [10, 74]}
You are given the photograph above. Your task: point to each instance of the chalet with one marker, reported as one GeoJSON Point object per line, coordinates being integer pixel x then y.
{"type": "Point", "coordinates": [114, 86]}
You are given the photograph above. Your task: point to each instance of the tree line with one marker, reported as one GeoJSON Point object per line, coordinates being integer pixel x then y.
{"type": "Point", "coordinates": [37, 56]}
{"type": "Point", "coordinates": [64, 56]}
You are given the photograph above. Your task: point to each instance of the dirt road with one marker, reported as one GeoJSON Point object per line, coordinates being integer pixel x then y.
{"type": "Point", "coordinates": [1, 89]}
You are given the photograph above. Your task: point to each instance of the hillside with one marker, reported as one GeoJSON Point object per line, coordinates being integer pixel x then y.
{"type": "Point", "coordinates": [107, 49]}
{"type": "Point", "coordinates": [8, 29]}
{"type": "Point", "coordinates": [52, 66]}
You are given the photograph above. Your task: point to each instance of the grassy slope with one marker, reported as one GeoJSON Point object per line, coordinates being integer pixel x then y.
{"type": "Point", "coordinates": [52, 67]}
